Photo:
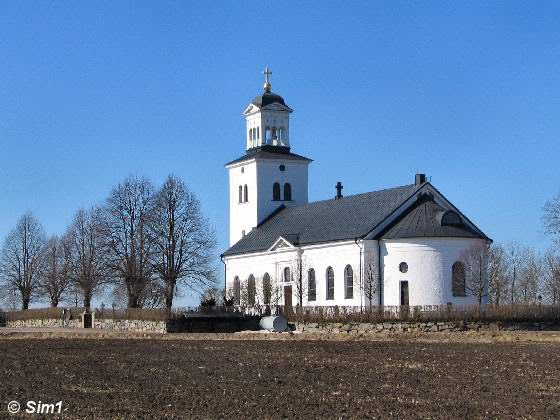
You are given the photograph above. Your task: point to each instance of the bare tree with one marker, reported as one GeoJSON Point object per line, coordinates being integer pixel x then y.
{"type": "Point", "coordinates": [498, 278]}
{"type": "Point", "coordinates": [212, 295]}
{"type": "Point", "coordinates": [551, 217]}
{"type": "Point", "coordinates": [477, 281]}
{"type": "Point", "coordinates": [271, 292]}
{"type": "Point", "coordinates": [551, 284]}
{"type": "Point", "coordinates": [514, 256]}
{"type": "Point", "coordinates": [182, 240]}
{"type": "Point", "coordinates": [125, 230]}
{"type": "Point", "coordinates": [299, 272]}
{"type": "Point", "coordinates": [21, 258]}
{"type": "Point", "coordinates": [86, 252]}
{"type": "Point", "coordinates": [529, 277]}
{"type": "Point", "coordinates": [369, 283]}
{"type": "Point", "coordinates": [55, 279]}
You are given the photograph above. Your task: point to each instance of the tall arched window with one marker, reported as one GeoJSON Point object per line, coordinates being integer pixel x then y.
{"type": "Point", "coordinates": [251, 290]}
{"type": "Point", "coordinates": [258, 133]}
{"type": "Point", "coordinates": [245, 193]}
{"type": "Point", "coordinates": [267, 136]}
{"type": "Point", "coordinates": [240, 194]}
{"type": "Point", "coordinates": [287, 192]}
{"type": "Point", "coordinates": [348, 282]}
{"type": "Point", "coordinates": [254, 134]}
{"type": "Point", "coordinates": [311, 286]}
{"type": "Point", "coordinates": [267, 289]}
{"type": "Point", "coordinates": [276, 192]}
{"type": "Point", "coordinates": [251, 136]}
{"type": "Point", "coordinates": [458, 279]}
{"type": "Point", "coordinates": [287, 275]}
{"type": "Point", "coordinates": [274, 133]}
{"type": "Point", "coordinates": [236, 291]}
{"type": "Point", "coordinates": [281, 134]}
{"type": "Point", "coordinates": [330, 283]}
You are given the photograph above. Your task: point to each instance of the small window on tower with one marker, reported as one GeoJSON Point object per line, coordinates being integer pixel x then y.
{"type": "Point", "coordinates": [245, 193]}
{"type": "Point", "coordinates": [287, 192]}
{"type": "Point", "coordinates": [282, 168]}
{"type": "Point", "coordinates": [240, 194]}
{"type": "Point", "coordinates": [276, 192]}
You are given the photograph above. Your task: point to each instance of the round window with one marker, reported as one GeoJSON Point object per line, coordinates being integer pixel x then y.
{"type": "Point", "coordinates": [282, 168]}
{"type": "Point", "coordinates": [403, 267]}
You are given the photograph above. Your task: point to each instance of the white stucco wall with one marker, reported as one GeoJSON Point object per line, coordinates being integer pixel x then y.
{"type": "Point", "coordinates": [429, 275]}
{"type": "Point", "coordinates": [429, 269]}
{"type": "Point", "coordinates": [260, 175]}
{"type": "Point", "coordinates": [318, 257]}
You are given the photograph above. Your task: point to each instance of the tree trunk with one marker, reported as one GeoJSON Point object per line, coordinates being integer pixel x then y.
{"type": "Point", "coordinates": [25, 299]}
{"type": "Point", "coordinates": [169, 289]}
{"type": "Point", "coordinates": [54, 302]}
{"type": "Point", "coordinates": [87, 300]}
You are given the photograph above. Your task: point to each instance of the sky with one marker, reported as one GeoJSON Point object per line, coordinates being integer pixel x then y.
{"type": "Point", "coordinates": [466, 92]}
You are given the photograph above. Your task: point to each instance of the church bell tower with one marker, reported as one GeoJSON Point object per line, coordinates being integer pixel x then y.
{"type": "Point", "coordinates": [269, 175]}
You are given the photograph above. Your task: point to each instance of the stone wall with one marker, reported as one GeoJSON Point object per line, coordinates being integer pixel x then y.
{"type": "Point", "coordinates": [134, 326]}
{"type": "Point", "coordinates": [409, 327]}
{"type": "Point", "coordinates": [44, 323]}
{"type": "Point", "coordinates": [107, 324]}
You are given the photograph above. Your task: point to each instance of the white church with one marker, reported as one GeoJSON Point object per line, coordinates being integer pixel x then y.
{"type": "Point", "coordinates": [398, 246]}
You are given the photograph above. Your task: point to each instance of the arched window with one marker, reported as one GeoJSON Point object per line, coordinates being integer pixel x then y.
{"type": "Point", "coordinates": [330, 283]}
{"type": "Point", "coordinates": [267, 136]}
{"type": "Point", "coordinates": [240, 194]}
{"type": "Point", "coordinates": [267, 289]}
{"type": "Point", "coordinates": [287, 275]}
{"type": "Point", "coordinates": [251, 290]}
{"type": "Point", "coordinates": [281, 134]}
{"type": "Point", "coordinates": [458, 279]}
{"type": "Point", "coordinates": [254, 133]}
{"type": "Point", "coordinates": [245, 193]}
{"type": "Point", "coordinates": [250, 136]}
{"type": "Point", "coordinates": [348, 282]}
{"type": "Point", "coordinates": [274, 133]}
{"type": "Point", "coordinates": [258, 133]}
{"type": "Point", "coordinates": [276, 192]}
{"type": "Point", "coordinates": [236, 291]}
{"type": "Point", "coordinates": [287, 192]}
{"type": "Point", "coordinates": [311, 286]}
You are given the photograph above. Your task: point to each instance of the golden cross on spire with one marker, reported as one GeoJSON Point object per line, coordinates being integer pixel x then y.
{"type": "Point", "coordinates": [267, 73]}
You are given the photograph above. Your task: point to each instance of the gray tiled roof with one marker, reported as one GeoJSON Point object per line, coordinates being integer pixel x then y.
{"type": "Point", "coordinates": [422, 221]}
{"type": "Point", "coordinates": [324, 221]}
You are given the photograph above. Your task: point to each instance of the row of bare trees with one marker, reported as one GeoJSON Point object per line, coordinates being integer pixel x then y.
{"type": "Point", "coordinates": [510, 274]}
{"type": "Point", "coordinates": [141, 243]}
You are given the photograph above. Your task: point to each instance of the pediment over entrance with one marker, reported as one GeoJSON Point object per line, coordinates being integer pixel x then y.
{"type": "Point", "coordinates": [284, 242]}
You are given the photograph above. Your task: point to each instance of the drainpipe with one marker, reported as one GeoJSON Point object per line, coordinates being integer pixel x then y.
{"type": "Point", "coordinates": [361, 276]}
{"type": "Point", "coordinates": [379, 272]}
{"type": "Point", "coordinates": [225, 280]}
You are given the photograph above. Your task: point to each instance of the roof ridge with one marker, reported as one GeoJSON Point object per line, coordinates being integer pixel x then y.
{"type": "Point", "coordinates": [354, 195]}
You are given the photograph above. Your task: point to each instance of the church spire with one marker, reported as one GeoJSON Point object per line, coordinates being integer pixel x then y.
{"type": "Point", "coordinates": [267, 85]}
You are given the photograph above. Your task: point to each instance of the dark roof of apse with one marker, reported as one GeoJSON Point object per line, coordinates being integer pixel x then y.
{"type": "Point", "coordinates": [267, 98]}
{"type": "Point", "coordinates": [423, 219]}
{"type": "Point", "coordinates": [324, 221]}
{"type": "Point", "coordinates": [269, 152]}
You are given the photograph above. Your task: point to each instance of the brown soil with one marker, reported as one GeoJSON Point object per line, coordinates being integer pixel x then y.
{"type": "Point", "coordinates": [156, 378]}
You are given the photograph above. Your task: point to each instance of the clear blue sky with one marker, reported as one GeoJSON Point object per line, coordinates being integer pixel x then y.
{"type": "Point", "coordinates": [468, 92]}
